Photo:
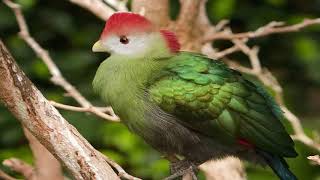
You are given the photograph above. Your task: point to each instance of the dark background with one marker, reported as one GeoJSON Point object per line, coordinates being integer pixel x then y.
{"type": "Point", "coordinates": [68, 32]}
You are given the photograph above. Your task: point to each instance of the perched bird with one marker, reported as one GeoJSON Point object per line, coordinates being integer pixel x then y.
{"type": "Point", "coordinates": [185, 105]}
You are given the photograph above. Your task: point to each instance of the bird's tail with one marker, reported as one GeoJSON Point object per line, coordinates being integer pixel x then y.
{"type": "Point", "coordinates": [278, 165]}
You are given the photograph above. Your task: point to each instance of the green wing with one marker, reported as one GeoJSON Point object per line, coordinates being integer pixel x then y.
{"type": "Point", "coordinates": [216, 101]}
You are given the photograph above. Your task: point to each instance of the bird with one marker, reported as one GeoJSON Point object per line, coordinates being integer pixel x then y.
{"type": "Point", "coordinates": [185, 105]}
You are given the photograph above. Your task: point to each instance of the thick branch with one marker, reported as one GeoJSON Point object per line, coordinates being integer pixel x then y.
{"type": "Point", "coordinates": [186, 25]}
{"type": "Point", "coordinates": [57, 77]}
{"type": "Point", "coordinates": [29, 106]}
{"type": "Point", "coordinates": [226, 168]}
{"type": "Point", "coordinates": [155, 10]}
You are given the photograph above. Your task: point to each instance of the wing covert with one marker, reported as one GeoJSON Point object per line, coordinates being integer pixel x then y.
{"type": "Point", "coordinates": [218, 102]}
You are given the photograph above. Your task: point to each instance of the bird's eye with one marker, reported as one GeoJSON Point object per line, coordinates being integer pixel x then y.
{"type": "Point", "coordinates": [124, 40]}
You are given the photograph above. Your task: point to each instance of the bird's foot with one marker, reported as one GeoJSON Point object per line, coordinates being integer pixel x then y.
{"type": "Point", "coordinates": [181, 168]}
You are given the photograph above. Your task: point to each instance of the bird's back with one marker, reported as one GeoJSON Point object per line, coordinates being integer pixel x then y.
{"type": "Point", "coordinates": [209, 98]}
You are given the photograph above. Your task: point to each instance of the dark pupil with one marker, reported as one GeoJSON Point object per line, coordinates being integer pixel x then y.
{"type": "Point", "coordinates": [124, 40]}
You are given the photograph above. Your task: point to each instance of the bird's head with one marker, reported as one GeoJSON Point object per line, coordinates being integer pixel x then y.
{"type": "Point", "coordinates": [133, 35]}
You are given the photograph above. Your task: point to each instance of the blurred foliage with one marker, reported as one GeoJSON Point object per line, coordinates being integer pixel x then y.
{"type": "Point", "coordinates": [68, 32]}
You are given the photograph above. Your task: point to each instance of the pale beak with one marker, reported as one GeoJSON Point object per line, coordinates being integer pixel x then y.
{"type": "Point", "coordinates": [98, 47]}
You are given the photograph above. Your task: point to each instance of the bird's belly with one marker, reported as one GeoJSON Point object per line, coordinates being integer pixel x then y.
{"type": "Point", "coordinates": [182, 142]}
{"type": "Point", "coordinates": [166, 134]}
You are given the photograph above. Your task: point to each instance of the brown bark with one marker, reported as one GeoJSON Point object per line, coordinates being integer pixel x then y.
{"type": "Point", "coordinates": [46, 165]}
{"type": "Point", "coordinates": [36, 114]}
{"type": "Point", "coordinates": [155, 10]}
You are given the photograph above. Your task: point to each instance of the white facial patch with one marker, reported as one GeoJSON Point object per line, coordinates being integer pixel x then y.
{"type": "Point", "coordinates": [137, 44]}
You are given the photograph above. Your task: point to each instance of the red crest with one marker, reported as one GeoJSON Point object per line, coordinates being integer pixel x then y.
{"type": "Point", "coordinates": [124, 23]}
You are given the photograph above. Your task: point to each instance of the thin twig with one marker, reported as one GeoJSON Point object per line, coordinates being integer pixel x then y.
{"type": "Point", "coordinates": [271, 28]}
{"type": "Point", "coordinates": [121, 172]}
{"type": "Point", "coordinates": [57, 77]}
{"type": "Point", "coordinates": [265, 76]}
{"type": "Point", "coordinates": [269, 80]}
{"type": "Point", "coordinates": [6, 176]}
{"type": "Point", "coordinates": [118, 5]}
{"type": "Point", "coordinates": [234, 65]}
{"type": "Point", "coordinates": [99, 111]}
{"type": "Point", "coordinates": [251, 53]}
{"type": "Point", "coordinates": [97, 7]}
{"type": "Point", "coordinates": [20, 167]}
{"type": "Point", "coordinates": [315, 159]}
{"type": "Point", "coordinates": [216, 54]}
{"type": "Point", "coordinates": [298, 130]}
{"type": "Point", "coordinates": [225, 52]}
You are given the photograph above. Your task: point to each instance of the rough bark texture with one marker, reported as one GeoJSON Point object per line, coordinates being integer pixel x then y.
{"type": "Point", "coordinates": [36, 114]}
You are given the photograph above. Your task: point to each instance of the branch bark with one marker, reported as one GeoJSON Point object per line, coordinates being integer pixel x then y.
{"type": "Point", "coordinates": [271, 28]}
{"type": "Point", "coordinates": [57, 77]}
{"type": "Point", "coordinates": [97, 7]}
{"type": "Point", "coordinates": [46, 165]}
{"type": "Point", "coordinates": [151, 10]}
{"type": "Point", "coordinates": [5, 176]}
{"type": "Point", "coordinates": [155, 10]}
{"type": "Point", "coordinates": [21, 167]}
{"type": "Point", "coordinates": [315, 159]}
{"type": "Point", "coordinates": [29, 106]}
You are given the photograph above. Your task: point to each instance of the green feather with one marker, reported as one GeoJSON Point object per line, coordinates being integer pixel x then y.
{"type": "Point", "coordinates": [239, 107]}
{"type": "Point", "coordinates": [203, 94]}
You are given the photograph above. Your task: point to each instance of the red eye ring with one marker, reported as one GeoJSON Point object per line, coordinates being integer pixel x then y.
{"type": "Point", "coordinates": [124, 40]}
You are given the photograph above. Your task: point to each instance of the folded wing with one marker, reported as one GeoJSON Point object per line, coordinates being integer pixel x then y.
{"type": "Point", "coordinates": [218, 102]}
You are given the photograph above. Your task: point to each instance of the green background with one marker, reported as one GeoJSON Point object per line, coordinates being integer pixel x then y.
{"type": "Point", "coordinates": [68, 32]}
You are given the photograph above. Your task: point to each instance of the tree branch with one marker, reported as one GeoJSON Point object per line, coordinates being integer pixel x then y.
{"type": "Point", "coordinates": [57, 77]}
{"type": "Point", "coordinates": [5, 176]}
{"type": "Point", "coordinates": [97, 7]}
{"type": "Point", "coordinates": [46, 166]}
{"type": "Point", "coordinates": [121, 172]}
{"type": "Point", "coordinates": [220, 32]}
{"type": "Point", "coordinates": [155, 10]}
{"type": "Point", "coordinates": [226, 168]}
{"type": "Point", "coordinates": [269, 80]}
{"type": "Point", "coordinates": [271, 28]}
{"type": "Point", "coordinates": [29, 106]}
{"type": "Point", "coordinates": [25, 169]}
{"type": "Point", "coordinates": [119, 5]}
{"type": "Point", "coordinates": [315, 159]}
